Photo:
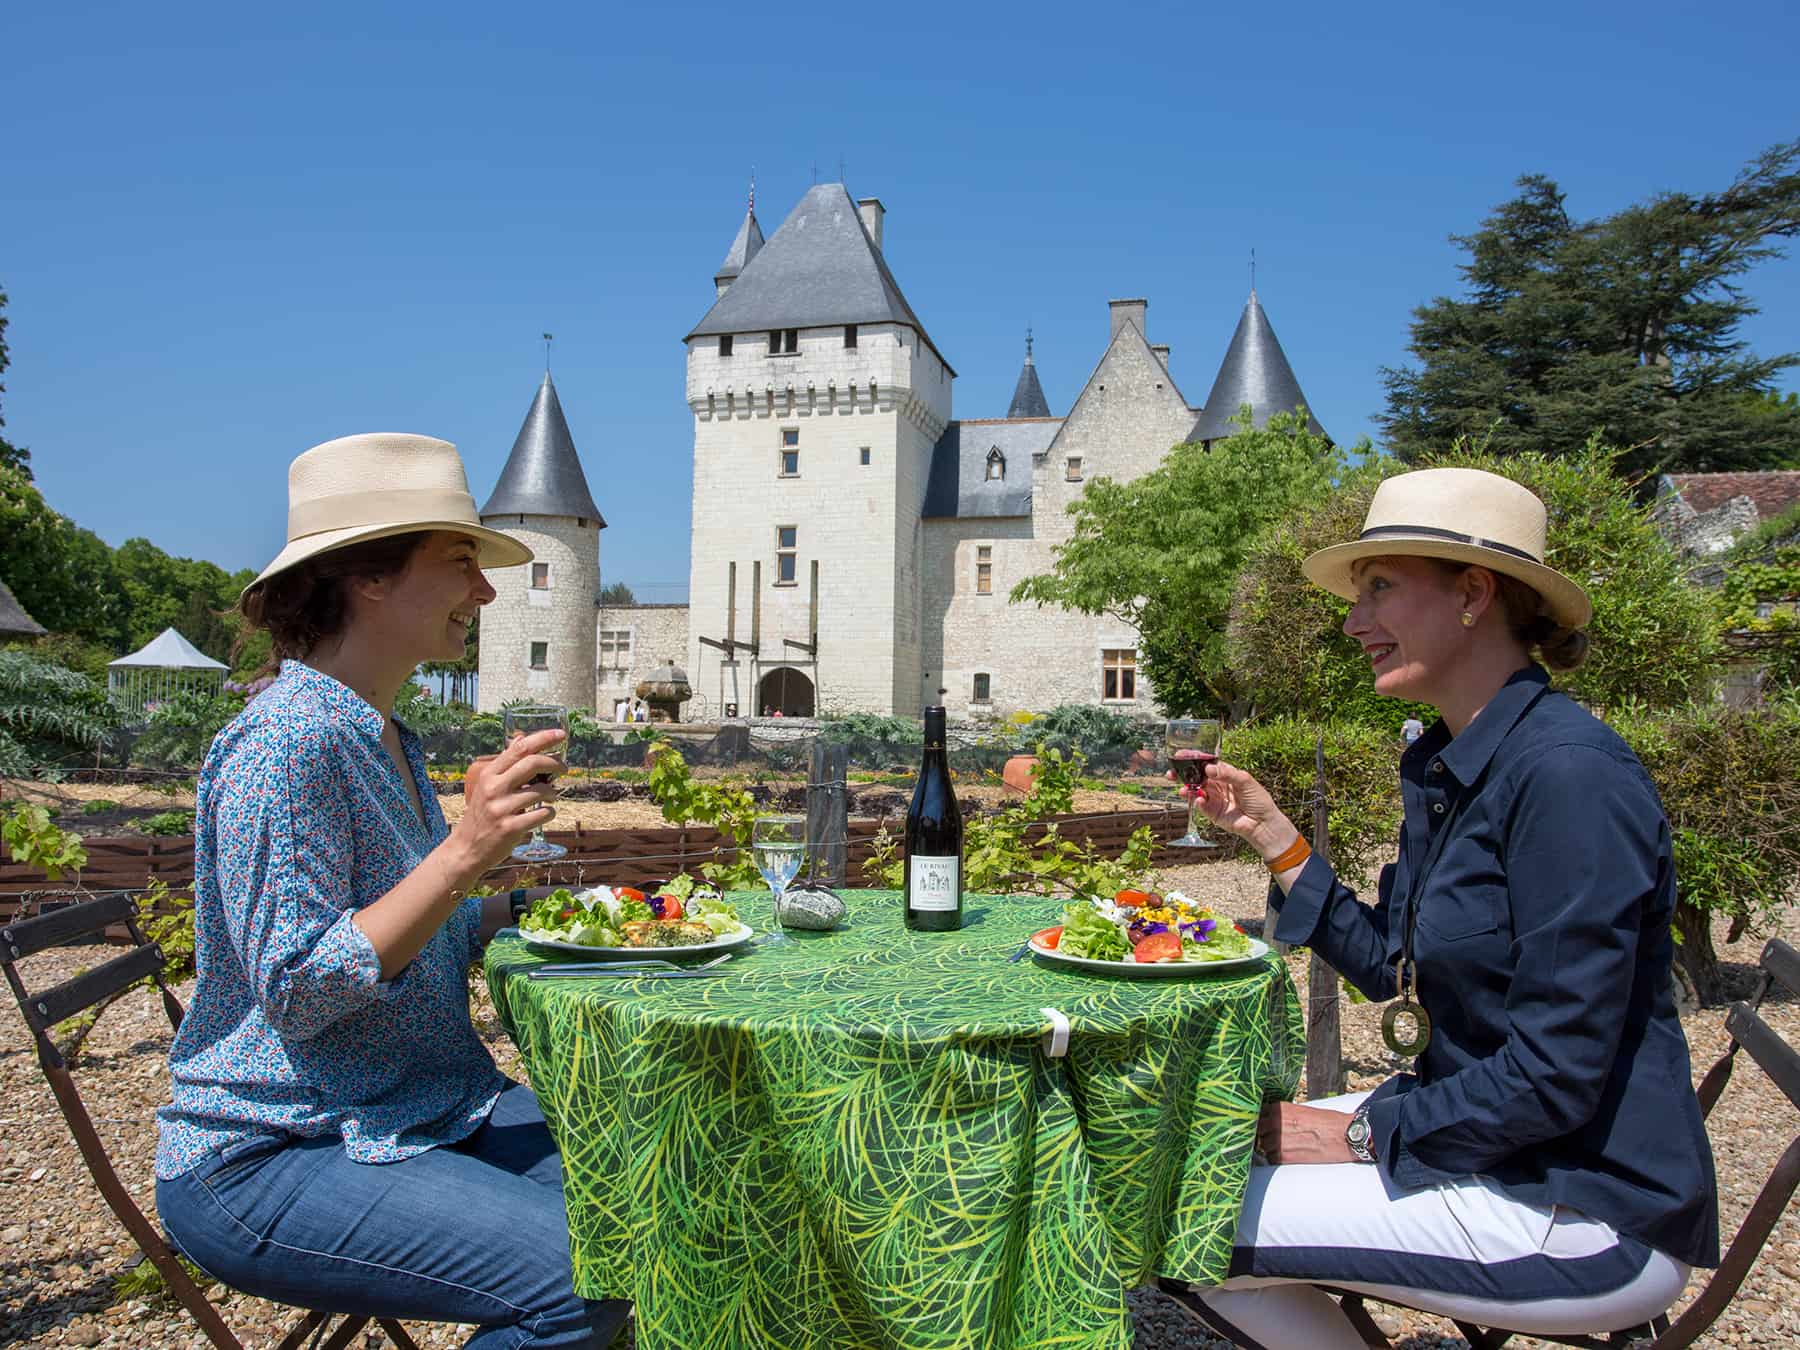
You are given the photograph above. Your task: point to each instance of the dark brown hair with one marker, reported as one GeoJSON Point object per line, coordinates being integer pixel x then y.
{"type": "Point", "coordinates": [308, 602]}
{"type": "Point", "coordinates": [1559, 648]}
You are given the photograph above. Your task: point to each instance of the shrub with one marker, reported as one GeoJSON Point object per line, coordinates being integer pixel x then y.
{"type": "Point", "coordinates": [99, 806]}
{"type": "Point", "coordinates": [1362, 782]}
{"type": "Point", "coordinates": [1727, 781]}
{"type": "Point", "coordinates": [872, 727]}
{"type": "Point", "coordinates": [1654, 636]}
{"type": "Point", "coordinates": [167, 823]}
{"type": "Point", "coordinates": [49, 716]}
{"type": "Point", "coordinates": [181, 728]}
{"type": "Point", "coordinates": [1089, 729]}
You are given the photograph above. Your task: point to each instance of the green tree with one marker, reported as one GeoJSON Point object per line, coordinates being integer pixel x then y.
{"type": "Point", "coordinates": [11, 456]}
{"type": "Point", "coordinates": [1162, 552]}
{"type": "Point", "coordinates": [163, 591]}
{"type": "Point", "coordinates": [49, 717]}
{"type": "Point", "coordinates": [62, 574]}
{"type": "Point", "coordinates": [1654, 637]}
{"type": "Point", "coordinates": [617, 593]}
{"type": "Point", "coordinates": [1625, 327]}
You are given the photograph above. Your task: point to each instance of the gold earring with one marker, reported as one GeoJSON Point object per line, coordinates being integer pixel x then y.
{"type": "Point", "coordinates": [1468, 619]}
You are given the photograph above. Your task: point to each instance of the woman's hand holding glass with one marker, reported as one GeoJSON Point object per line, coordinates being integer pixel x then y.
{"type": "Point", "coordinates": [503, 803]}
{"type": "Point", "coordinates": [1234, 801]}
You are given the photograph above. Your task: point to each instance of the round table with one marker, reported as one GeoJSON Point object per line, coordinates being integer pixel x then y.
{"type": "Point", "coordinates": [861, 1138]}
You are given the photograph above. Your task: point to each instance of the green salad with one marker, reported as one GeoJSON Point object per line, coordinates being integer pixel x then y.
{"type": "Point", "coordinates": [606, 916]}
{"type": "Point", "coordinates": [1144, 926]}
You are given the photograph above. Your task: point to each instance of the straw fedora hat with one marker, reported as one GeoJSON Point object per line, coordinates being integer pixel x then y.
{"type": "Point", "coordinates": [382, 483]}
{"type": "Point", "coordinates": [1464, 515]}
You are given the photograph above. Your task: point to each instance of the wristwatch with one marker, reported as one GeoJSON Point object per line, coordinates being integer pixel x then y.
{"type": "Point", "coordinates": [518, 902]}
{"type": "Point", "coordinates": [1360, 1136]}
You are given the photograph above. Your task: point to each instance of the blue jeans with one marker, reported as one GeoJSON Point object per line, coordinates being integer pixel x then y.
{"type": "Point", "coordinates": [473, 1232]}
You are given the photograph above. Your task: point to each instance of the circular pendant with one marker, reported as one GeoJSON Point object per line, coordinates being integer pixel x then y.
{"type": "Point", "coordinates": [1418, 1028]}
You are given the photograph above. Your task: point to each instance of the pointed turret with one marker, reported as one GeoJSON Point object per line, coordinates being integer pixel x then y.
{"type": "Point", "coordinates": [543, 474]}
{"type": "Point", "coordinates": [1255, 371]}
{"type": "Point", "coordinates": [1028, 395]}
{"type": "Point", "coordinates": [743, 248]}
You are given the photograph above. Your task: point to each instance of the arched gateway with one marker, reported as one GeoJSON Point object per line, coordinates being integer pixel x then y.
{"type": "Point", "coordinates": [786, 691]}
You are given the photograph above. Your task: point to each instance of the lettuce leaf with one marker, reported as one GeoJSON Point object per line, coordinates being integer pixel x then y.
{"type": "Point", "coordinates": [1086, 934]}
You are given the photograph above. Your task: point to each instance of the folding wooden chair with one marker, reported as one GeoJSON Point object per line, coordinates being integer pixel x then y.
{"type": "Point", "coordinates": [87, 921]}
{"type": "Point", "coordinates": [1778, 1059]}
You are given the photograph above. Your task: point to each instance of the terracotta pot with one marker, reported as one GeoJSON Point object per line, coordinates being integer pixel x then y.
{"type": "Point", "coordinates": [1018, 773]}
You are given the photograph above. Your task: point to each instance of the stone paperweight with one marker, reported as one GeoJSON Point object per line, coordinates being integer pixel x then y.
{"type": "Point", "coordinates": [811, 905]}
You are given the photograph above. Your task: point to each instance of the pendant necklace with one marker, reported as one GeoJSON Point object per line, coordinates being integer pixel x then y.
{"type": "Point", "coordinates": [1406, 1026]}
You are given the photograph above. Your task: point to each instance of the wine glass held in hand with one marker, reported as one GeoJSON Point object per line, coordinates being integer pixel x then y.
{"type": "Point", "coordinates": [1193, 743]}
{"type": "Point", "coordinates": [522, 721]}
{"type": "Point", "coordinates": [778, 845]}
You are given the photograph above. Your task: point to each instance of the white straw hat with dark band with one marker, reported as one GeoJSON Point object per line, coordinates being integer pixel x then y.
{"type": "Point", "coordinates": [1462, 515]}
{"type": "Point", "coordinates": [358, 488]}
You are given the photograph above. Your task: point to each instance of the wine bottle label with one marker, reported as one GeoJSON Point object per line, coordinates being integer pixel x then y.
{"type": "Point", "coordinates": [935, 883]}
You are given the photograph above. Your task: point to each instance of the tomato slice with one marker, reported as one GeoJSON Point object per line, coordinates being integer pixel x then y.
{"type": "Point", "coordinates": [1158, 947]}
{"type": "Point", "coordinates": [1048, 937]}
{"type": "Point", "coordinates": [1133, 899]}
{"type": "Point", "coordinates": [629, 893]}
{"type": "Point", "coordinates": [671, 906]}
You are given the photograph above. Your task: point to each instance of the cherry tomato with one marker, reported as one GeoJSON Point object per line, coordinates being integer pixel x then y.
{"type": "Point", "coordinates": [1133, 899]}
{"type": "Point", "coordinates": [1158, 947]}
{"type": "Point", "coordinates": [1049, 937]}
{"type": "Point", "coordinates": [566, 914]}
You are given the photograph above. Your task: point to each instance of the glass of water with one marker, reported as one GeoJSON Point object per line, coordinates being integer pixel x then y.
{"type": "Point", "coordinates": [522, 721]}
{"type": "Point", "coordinates": [778, 844]}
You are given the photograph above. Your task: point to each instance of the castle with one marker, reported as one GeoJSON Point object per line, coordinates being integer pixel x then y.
{"type": "Point", "coordinates": [853, 544]}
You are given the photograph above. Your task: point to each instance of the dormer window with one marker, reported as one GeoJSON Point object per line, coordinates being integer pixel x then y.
{"type": "Point", "coordinates": [996, 465]}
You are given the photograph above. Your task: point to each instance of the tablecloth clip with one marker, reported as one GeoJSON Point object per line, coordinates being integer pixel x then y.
{"type": "Point", "coordinates": [1056, 1040]}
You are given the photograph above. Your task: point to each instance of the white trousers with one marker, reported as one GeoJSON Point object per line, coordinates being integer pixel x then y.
{"type": "Point", "coordinates": [1465, 1249]}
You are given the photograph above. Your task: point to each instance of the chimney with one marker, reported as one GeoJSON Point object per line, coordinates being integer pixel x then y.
{"type": "Point", "coordinates": [873, 213]}
{"type": "Point", "coordinates": [1124, 311]}
{"type": "Point", "coordinates": [1162, 354]}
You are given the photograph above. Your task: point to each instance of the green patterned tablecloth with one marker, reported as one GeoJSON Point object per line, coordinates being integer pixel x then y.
{"type": "Point", "coordinates": [855, 1139]}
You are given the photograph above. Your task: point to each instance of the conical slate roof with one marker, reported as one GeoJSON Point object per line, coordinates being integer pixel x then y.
{"type": "Point", "coordinates": [169, 650]}
{"type": "Point", "coordinates": [543, 474]}
{"type": "Point", "coordinates": [819, 270]}
{"type": "Point", "coordinates": [13, 618]}
{"type": "Point", "coordinates": [1255, 371]}
{"type": "Point", "coordinates": [743, 248]}
{"type": "Point", "coordinates": [1028, 395]}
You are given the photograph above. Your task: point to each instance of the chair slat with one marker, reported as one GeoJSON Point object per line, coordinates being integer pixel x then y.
{"type": "Point", "coordinates": [23, 937]}
{"type": "Point", "coordinates": [1778, 1059]}
{"type": "Point", "coordinates": [82, 992]}
{"type": "Point", "coordinates": [1783, 962]}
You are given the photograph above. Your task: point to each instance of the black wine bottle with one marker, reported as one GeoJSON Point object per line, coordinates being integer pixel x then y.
{"type": "Point", "coordinates": [934, 837]}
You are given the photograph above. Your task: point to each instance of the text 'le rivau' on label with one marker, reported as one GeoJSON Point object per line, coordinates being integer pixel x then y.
{"type": "Point", "coordinates": [935, 883]}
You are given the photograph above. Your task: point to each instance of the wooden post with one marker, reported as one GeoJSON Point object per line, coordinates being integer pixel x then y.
{"type": "Point", "coordinates": [1324, 1037]}
{"type": "Point", "coordinates": [828, 813]}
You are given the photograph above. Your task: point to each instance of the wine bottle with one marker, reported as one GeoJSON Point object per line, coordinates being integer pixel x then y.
{"type": "Point", "coordinates": [934, 837]}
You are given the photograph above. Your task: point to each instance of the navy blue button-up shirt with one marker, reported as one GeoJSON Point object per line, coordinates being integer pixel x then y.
{"type": "Point", "coordinates": [1557, 1065]}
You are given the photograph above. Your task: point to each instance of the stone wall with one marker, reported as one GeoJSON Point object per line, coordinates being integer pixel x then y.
{"type": "Point", "coordinates": [559, 615]}
{"type": "Point", "coordinates": [630, 642]}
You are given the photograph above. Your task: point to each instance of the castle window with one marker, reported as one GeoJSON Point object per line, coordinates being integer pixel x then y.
{"type": "Point", "coordinates": [981, 688]}
{"type": "Point", "coordinates": [1118, 674]}
{"type": "Point", "coordinates": [540, 656]}
{"type": "Point", "coordinates": [784, 341]}
{"type": "Point", "coordinates": [849, 337]}
{"type": "Point", "coordinates": [790, 452]}
{"type": "Point", "coordinates": [786, 542]}
{"type": "Point", "coordinates": [615, 648]}
{"type": "Point", "coordinates": [540, 576]}
{"type": "Point", "coordinates": [996, 464]}
{"type": "Point", "coordinates": [725, 344]}
{"type": "Point", "coordinates": [865, 454]}
{"type": "Point", "coordinates": [1072, 469]}
{"type": "Point", "coordinates": [984, 569]}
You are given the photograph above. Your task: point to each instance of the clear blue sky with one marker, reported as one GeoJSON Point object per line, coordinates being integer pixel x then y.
{"type": "Point", "coordinates": [229, 233]}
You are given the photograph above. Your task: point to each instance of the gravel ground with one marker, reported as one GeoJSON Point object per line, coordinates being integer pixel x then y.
{"type": "Point", "coordinates": [61, 1249]}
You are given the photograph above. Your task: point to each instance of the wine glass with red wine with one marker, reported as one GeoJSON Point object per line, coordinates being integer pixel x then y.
{"type": "Point", "coordinates": [522, 721]}
{"type": "Point", "coordinates": [1193, 743]}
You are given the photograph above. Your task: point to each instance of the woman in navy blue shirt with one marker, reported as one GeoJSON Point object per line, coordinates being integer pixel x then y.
{"type": "Point", "coordinates": [1544, 1167]}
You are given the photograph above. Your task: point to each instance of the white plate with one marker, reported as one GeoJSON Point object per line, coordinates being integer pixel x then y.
{"type": "Point", "coordinates": [1154, 969]}
{"type": "Point", "coordinates": [724, 942]}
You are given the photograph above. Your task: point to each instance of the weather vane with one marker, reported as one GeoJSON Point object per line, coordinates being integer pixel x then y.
{"type": "Point", "coordinates": [548, 338]}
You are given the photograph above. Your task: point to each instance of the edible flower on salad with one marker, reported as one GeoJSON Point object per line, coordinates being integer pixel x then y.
{"type": "Point", "coordinates": [1145, 926]}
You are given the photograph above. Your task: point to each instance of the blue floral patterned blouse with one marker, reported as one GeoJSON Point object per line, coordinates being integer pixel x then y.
{"type": "Point", "coordinates": [301, 820]}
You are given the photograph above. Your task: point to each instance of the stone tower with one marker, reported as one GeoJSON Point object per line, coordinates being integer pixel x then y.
{"type": "Point", "coordinates": [537, 636]}
{"type": "Point", "coordinates": [817, 397]}
{"type": "Point", "coordinates": [1255, 371]}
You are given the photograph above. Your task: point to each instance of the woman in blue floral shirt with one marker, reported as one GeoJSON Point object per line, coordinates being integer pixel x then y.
{"type": "Point", "coordinates": [338, 1136]}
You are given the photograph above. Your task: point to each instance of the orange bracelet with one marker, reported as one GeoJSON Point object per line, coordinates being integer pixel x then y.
{"type": "Point", "coordinates": [1291, 856]}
